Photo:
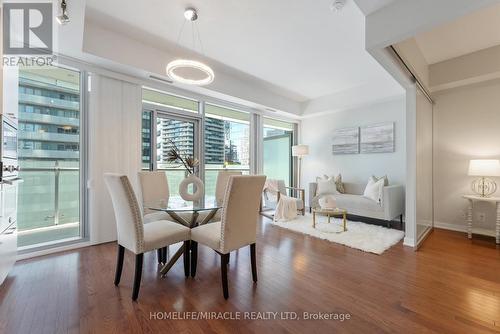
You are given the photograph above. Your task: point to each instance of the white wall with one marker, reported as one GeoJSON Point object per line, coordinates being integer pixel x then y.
{"type": "Point", "coordinates": [466, 126]}
{"type": "Point", "coordinates": [317, 132]}
{"type": "Point", "coordinates": [114, 146]}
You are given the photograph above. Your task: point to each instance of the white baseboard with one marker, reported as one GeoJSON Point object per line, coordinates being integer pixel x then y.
{"type": "Point", "coordinates": [463, 228]}
{"type": "Point", "coordinates": [29, 255]}
{"type": "Point", "coordinates": [409, 242]}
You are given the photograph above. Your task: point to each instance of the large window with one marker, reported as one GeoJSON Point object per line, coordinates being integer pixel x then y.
{"type": "Point", "coordinates": [221, 133]}
{"type": "Point", "coordinates": [227, 143]}
{"type": "Point", "coordinates": [278, 141]}
{"type": "Point", "coordinates": [49, 156]}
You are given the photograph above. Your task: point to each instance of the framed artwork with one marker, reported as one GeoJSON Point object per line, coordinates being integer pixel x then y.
{"type": "Point", "coordinates": [377, 138]}
{"type": "Point", "coordinates": [346, 141]}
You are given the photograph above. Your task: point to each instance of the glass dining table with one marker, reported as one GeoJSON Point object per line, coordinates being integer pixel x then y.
{"type": "Point", "coordinates": [190, 214]}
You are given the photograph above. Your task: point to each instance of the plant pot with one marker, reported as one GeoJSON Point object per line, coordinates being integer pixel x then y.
{"type": "Point", "coordinates": [198, 185]}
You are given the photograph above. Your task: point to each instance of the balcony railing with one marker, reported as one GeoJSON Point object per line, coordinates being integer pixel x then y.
{"type": "Point", "coordinates": [49, 102]}
{"type": "Point", "coordinates": [49, 204]}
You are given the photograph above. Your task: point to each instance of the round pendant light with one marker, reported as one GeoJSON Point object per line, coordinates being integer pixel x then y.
{"type": "Point", "coordinates": [177, 70]}
{"type": "Point", "coordinates": [188, 71]}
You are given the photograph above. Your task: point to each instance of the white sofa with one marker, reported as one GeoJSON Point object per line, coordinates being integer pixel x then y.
{"type": "Point", "coordinates": [391, 207]}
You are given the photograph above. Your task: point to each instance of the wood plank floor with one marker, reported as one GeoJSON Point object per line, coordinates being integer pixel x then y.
{"type": "Point", "coordinates": [452, 285]}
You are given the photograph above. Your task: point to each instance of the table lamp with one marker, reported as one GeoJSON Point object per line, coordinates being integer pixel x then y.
{"type": "Point", "coordinates": [300, 151]}
{"type": "Point", "coordinates": [484, 186]}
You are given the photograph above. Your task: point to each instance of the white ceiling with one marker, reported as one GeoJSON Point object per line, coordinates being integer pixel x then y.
{"type": "Point", "coordinates": [300, 46]}
{"type": "Point", "coordinates": [474, 32]}
{"type": "Point", "coordinates": [370, 6]}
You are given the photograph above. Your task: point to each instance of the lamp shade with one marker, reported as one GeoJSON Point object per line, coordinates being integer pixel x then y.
{"type": "Point", "coordinates": [484, 167]}
{"type": "Point", "coordinates": [300, 150]}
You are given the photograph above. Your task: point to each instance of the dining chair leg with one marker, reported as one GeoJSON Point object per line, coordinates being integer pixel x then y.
{"type": "Point", "coordinates": [164, 251]}
{"type": "Point", "coordinates": [194, 257]}
{"type": "Point", "coordinates": [119, 264]}
{"type": "Point", "coordinates": [224, 261]}
{"type": "Point", "coordinates": [186, 257]}
{"type": "Point", "coordinates": [159, 253]}
{"type": "Point", "coordinates": [254, 262]}
{"type": "Point", "coordinates": [137, 277]}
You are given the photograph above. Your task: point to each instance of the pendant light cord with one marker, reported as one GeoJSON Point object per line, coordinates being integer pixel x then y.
{"type": "Point", "coordinates": [180, 32]}
{"type": "Point", "coordinates": [195, 30]}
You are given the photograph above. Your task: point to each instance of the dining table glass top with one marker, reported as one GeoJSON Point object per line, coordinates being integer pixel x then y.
{"type": "Point", "coordinates": [206, 204]}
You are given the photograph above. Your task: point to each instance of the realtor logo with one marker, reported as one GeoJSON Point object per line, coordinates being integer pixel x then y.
{"type": "Point", "coordinates": [27, 28]}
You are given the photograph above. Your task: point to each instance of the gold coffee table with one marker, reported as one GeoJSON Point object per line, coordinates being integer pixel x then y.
{"type": "Point", "coordinates": [329, 213]}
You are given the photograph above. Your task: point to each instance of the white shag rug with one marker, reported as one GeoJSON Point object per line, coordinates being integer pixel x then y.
{"type": "Point", "coordinates": [366, 237]}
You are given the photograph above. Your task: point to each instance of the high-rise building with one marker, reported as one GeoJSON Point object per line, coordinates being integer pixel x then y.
{"type": "Point", "coordinates": [49, 118]}
{"type": "Point", "coordinates": [214, 141]}
{"type": "Point", "coordinates": [182, 134]}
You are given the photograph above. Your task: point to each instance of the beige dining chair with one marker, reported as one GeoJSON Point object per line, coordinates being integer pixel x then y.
{"type": "Point", "coordinates": [221, 184]}
{"type": "Point", "coordinates": [155, 193]}
{"type": "Point", "coordinates": [136, 236]}
{"type": "Point", "coordinates": [237, 228]}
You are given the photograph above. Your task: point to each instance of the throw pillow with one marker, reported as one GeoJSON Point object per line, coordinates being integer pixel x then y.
{"type": "Point", "coordinates": [374, 189]}
{"type": "Point", "coordinates": [386, 180]}
{"type": "Point", "coordinates": [339, 184]}
{"type": "Point", "coordinates": [326, 186]}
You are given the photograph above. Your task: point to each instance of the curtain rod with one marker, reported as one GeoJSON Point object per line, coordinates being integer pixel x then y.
{"type": "Point", "coordinates": [414, 77]}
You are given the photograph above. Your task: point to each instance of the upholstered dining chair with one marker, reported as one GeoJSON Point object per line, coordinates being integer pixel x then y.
{"type": "Point", "coordinates": [221, 184]}
{"type": "Point", "coordinates": [237, 228]}
{"type": "Point", "coordinates": [136, 236]}
{"type": "Point", "coordinates": [155, 193]}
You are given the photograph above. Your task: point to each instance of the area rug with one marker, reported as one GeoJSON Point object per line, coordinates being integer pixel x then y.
{"type": "Point", "coordinates": [366, 237]}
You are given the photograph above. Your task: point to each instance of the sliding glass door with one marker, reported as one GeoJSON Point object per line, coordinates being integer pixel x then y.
{"type": "Point", "coordinates": [49, 133]}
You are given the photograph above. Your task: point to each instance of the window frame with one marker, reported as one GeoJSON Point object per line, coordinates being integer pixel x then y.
{"type": "Point", "coordinates": [84, 229]}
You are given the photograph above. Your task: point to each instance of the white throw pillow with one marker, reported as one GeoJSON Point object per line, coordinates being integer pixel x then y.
{"type": "Point", "coordinates": [374, 189]}
{"type": "Point", "coordinates": [386, 179]}
{"type": "Point", "coordinates": [326, 186]}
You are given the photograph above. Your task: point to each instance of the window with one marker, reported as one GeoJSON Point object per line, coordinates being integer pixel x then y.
{"type": "Point", "coordinates": [181, 132]}
{"type": "Point", "coordinates": [147, 123]}
{"type": "Point", "coordinates": [278, 141]}
{"type": "Point", "coordinates": [227, 143]}
{"type": "Point", "coordinates": [49, 156]}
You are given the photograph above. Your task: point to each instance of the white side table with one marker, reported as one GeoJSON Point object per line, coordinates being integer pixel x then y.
{"type": "Point", "coordinates": [474, 198]}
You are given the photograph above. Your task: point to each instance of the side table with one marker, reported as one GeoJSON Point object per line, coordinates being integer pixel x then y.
{"type": "Point", "coordinates": [469, 219]}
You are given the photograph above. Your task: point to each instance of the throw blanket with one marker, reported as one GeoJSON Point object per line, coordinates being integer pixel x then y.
{"type": "Point", "coordinates": [286, 209]}
{"type": "Point", "coordinates": [271, 190]}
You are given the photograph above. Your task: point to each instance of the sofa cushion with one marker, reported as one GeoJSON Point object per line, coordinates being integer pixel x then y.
{"type": "Point", "coordinates": [357, 203]}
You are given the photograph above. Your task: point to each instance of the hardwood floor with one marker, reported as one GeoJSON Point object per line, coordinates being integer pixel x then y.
{"type": "Point", "coordinates": [452, 285]}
